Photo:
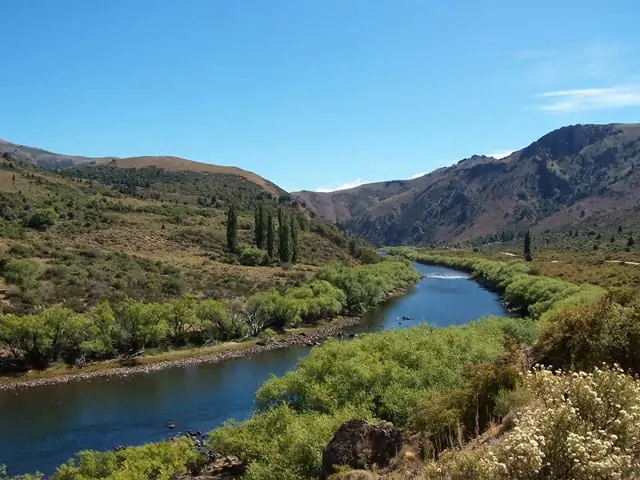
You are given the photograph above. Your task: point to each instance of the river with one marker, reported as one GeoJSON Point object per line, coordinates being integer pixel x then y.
{"type": "Point", "coordinates": [43, 427]}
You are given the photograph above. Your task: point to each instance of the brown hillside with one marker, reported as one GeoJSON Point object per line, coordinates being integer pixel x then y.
{"type": "Point", "coordinates": [177, 164]}
{"type": "Point", "coordinates": [570, 174]}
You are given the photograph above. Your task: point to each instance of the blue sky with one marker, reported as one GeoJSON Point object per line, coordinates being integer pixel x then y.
{"type": "Point", "coordinates": [313, 94]}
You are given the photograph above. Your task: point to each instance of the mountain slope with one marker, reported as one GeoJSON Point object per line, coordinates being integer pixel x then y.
{"type": "Point", "coordinates": [569, 174]}
{"type": "Point", "coordinates": [145, 233]}
{"type": "Point", "coordinates": [55, 161]}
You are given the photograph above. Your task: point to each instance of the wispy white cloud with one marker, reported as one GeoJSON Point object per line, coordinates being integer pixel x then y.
{"type": "Point", "coordinates": [584, 99]}
{"type": "Point", "coordinates": [500, 153]}
{"type": "Point", "coordinates": [344, 186]}
{"type": "Point", "coordinates": [598, 59]}
{"type": "Point", "coordinates": [417, 175]}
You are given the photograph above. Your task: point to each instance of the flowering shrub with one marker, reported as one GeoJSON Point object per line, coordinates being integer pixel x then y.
{"type": "Point", "coordinates": [579, 426]}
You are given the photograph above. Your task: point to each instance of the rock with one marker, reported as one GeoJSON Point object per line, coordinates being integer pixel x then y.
{"type": "Point", "coordinates": [360, 444]}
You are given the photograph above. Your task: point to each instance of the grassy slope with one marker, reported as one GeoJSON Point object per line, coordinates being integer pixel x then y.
{"type": "Point", "coordinates": [106, 244]}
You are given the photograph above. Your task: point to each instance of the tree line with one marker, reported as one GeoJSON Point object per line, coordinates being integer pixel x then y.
{"type": "Point", "coordinates": [287, 249]}
{"type": "Point", "coordinates": [107, 331]}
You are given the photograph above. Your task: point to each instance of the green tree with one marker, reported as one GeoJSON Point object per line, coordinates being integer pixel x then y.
{"type": "Point", "coordinates": [180, 319]}
{"type": "Point", "coordinates": [142, 324]}
{"type": "Point", "coordinates": [259, 226]}
{"type": "Point", "coordinates": [295, 243]}
{"type": "Point", "coordinates": [42, 338]}
{"type": "Point", "coordinates": [527, 246]}
{"type": "Point", "coordinates": [42, 218]}
{"type": "Point", "coordinates": [105, 333]}
{"type": "Point", "coordinates": [630, 241]}
{"type": "Point", "coordinates": [232, 229]}
{"type": "Point", "coordinates": [22, 273]}
{"type": "Point", "coordinates": [271, 236]}
{"type": "Point", "coordinates": [284, 237]}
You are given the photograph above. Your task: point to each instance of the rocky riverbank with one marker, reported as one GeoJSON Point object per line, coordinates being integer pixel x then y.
{"type": "Point", "coordinates": [315, 337]}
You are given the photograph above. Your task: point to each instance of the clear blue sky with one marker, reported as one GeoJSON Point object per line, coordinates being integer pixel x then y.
{"type": "Point", "coordinates": [313, 94]}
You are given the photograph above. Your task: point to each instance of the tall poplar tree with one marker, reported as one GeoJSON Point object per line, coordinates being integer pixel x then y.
{"type": "Point", "coordinates": [260, 226]}
{"type": "Point", "coordinates": [232, 229]}
{"type": "Point", "coordinates": [271, 236]}
{"type": "Point", "coordinates": [284, 237]}
{"type": "Point", "coordinates": [295, 247]}
{"type": "Point", "coordinates": [527, 246]}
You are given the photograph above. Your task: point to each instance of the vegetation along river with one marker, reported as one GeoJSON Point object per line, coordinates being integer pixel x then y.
{"type": "Point", "coordinates": [43, 427]}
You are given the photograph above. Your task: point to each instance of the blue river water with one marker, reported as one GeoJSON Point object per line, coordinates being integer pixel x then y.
{"type": "Point", "coordinates": [43, 427]}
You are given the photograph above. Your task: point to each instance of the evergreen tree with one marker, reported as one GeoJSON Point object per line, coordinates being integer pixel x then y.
{"type": "Point", "coordinates": [295, 247]}
{"type": "Point", "coordinates": [260, 226]}
{"type": "Point", "coordinates": [630, 241]}
{"type": "Point", "coordinates": [527, 246]}
{"type": "Point", "coordinates": [284, 236]}
{"type": "Point", "coordinates": [613, 239]}
{"type": "Point", "coordinates": [232, 229]}
{"type": "Point", "coordinates": [271, 236]}
{"type": "Point", "coordinates": [619, 228]}
{"type": "Point", "coordinates": [353, 247]}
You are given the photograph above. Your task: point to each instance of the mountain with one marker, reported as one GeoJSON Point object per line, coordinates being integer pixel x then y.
{"type": "Point", "coordinates": [56, 161]}
{"type": "Point", "coordinates": [571, 174]}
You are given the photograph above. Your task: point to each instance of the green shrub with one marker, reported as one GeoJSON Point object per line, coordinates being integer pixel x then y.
{"type": "Point", "coordinates": [386, 373]}
{"type": "Point", "coordinates": [252, 256]}
{"type": "Point", "coordinates": [280, 443]}
{"type": "Point", "coordinates": [42, 218]}
{"type": "Point", "coordinates": [160, 461]}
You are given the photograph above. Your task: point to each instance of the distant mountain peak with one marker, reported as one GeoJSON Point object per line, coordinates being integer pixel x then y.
{"type": "Point", "coordinates": [569, 174]}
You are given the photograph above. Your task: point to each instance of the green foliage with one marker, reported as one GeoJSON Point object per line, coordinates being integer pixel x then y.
{"type": "Point", "coordinates": [22, 273]}
{"type": "Point", "coordinates": [369, 285]}
{"type": "Point", "coordinates": [160, 461]}
{"type": "Point", "coordinates": [284, 236]}
{"type": "Point", "coordinates": [527, 246]}
{"type": "Point", "coordinates": [280, 443]}
{"type": "Point", "coordinates": [295, 241]}
{"type": "Point", "coordinates": [42, 338]}
{"type": "Point", "coordinates": [308, 303]}
{"type": "Point", "coordinates": [387, 373]}
{"type": "Point", "coordinates": [207, 189]}
{"type": "Point", "coordinates": [260, 226]}
{"type": "Point", "coordinates": [252, 256]}
{"type": "Point", "coordinates": [42, 218]}
{"type": "Point", "coordinates": [131, 325]}
{"type": "Point", "coordinates": [232, 229]}
{"type": "Point", "coordinates": [271, 236]}
{"type": "Point", "coordinates": [584, 336]}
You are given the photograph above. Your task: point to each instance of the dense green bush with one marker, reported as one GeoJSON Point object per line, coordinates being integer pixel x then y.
{"type": "Point", "coordinates": [160, 461]}
{"type": "Point", "coordinates": [252, 256]}
{"type": "Point", "coordinates": [369, 285]}
{"type": "Point", "coordinates": [386, 373]}
{"type": "Point", "coordinates": [584, 336]}
{"type": "Point", "coordinates": [281, 443]}
{"type": "Point", "coordinates": [42, 218]}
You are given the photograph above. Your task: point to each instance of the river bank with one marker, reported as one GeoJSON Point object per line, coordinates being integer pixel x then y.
{"type": "Point", "coordinates": [308, 336]}
{"type": "Point", "coordinates": [304, 336]}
